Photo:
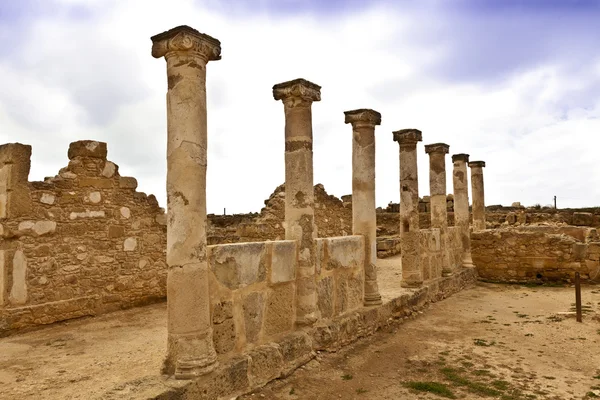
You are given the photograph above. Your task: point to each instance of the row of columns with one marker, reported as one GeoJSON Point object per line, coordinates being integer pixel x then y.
{"type": "Point", "coordinates": [190, 350]}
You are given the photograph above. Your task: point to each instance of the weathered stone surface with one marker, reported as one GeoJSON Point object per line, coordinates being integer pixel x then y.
{"type": "Point", "coordinates": [130, 244]}
{"type": "Point", "coordinates": [253, 307]}
{"type": "Point", "coordinates": [47, 198]}
{"type": "Point", "coordinates": [266, 364]}
{"type": "Point", "coordinates": [238, 265]}
{"type": "Point", "coordinates": [326, 296]}
{"type": "Point", "coordinates": [345, 252]}
{"type": "Point", "coordinates": [279, 316]}
{"type": "Point", "coordinates": [583, 219]}
{"type": "Point", "coordinates": [127, 182]}
{"type": "Point", "coordinates": [18, 292]}
{"type": "Point", "coordinates": [88, 149]}
{"type": "Point", "coordinates": [283, 261]}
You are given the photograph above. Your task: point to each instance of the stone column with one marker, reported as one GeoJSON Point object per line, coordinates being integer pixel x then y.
{"type": "Point", "coordinates": [478, 195]}
{"type": "Point", "coordinates": [190, 344]}
{"type": "Point", "coordinates": [437, 188]}
{"type": "Point", "coordinates": [363, 193]}
{"type": "Point", "coordinates": [298, 96]}
{"type": "Point", "coordinates": [410, 248]}
{"type": "Point", "coordinates": [461, 205]}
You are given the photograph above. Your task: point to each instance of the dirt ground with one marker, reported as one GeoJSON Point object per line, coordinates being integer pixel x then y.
{"type": "Point", "coordinates": [485, 342]}
{"type": "Point", "coordinates": [491, 341]}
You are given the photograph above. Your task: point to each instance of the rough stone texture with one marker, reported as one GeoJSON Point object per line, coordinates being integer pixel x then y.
{"type": "Point", "coordinates": [583, 219]}
{"type": "Point", "coordinates": [297, 97]}
{"type": "Point", "coordinates": [364, 221]}
{"type": "Point", "coordinates": [73, 258]}
{"type": "Point", "coordinates": [190, 349]}
{"type": "Point", "coordinates": [409, 211]}
{"type": "Point", "coordinates": [527, 255]}
{"type": "Point", "coordinates": [239, 265]}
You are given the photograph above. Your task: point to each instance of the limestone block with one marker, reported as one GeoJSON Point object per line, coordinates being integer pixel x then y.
{"type": "Point", "coordinates": [238, 265]}
{"type": "Point", "coordinates": [511, 218]}
{"type": "Point", "coordinates": [47, 198]}
{"type": "Point", "coordinates": [125, 212]}
{"type": "Point", "coordinates": [349, 293]}
{"type": "Point", "coordinates": [579, 251]}
{"type": "Point", "coordinates": [97, 183]}
{"type": "Point", "coordinates": [583, 219]}
{"type": "Point", "coordinates": [266, 364]}
{"type": "Point", "coordinates": [345, 252]}
{"type": "Point", "coordinates": [95, 197]}
{"type": "Point", "coordinates": [130, 244]}
{"type": "Point", "coordinates": [283, 261]}
{"type": "Point", "coordinates": [109, 170]}
{"type": "Point", "coordinates": [325, 297]}
{"type": "Point", "coordinates": [127, 182]}
{"type": "Point", "coordinates": [18, 292]}
{"type": "Point", "coordinates": [280, 311]}
{"type": "Point", "coordinates": [253, 308]}
{"type": "Point", "coordinates": [37, 228]}
{"type": "Point", "coordinates": [87, 214]}
{"type": "Point", "coordinates": [87, 148]}
{"type": "Point", "coordinates": [161, 219]}
{"type": "Point", "coordinates": [321, 245]}
{"type": "Point", "coordinates": [222, 311]}
{"type": "Point", "coordinates": [115, 231]}
{"type": "Point", "coordinates": [224, 336]}
{"type": "Point", "coordinates": [296, 350]}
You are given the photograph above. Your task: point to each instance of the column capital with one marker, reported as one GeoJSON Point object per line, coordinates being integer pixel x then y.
{"type": "Point", "coordinates": [460, 157]}
{"type": "Point", "coordinates": [442, 148]}
{"type": "Point", "coordinates": [297, 92]}
{"type": "Point", "coordinates": [362, 116]}
{"type": "Point", "coordinates": [477, 164]}
{"type": "Point", "coordinates": [407, 136]}
{"type": "Point", "coordinates": [185, 39]}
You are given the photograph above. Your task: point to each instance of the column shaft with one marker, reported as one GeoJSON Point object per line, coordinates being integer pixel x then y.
{"type": "Point", "coordinates": [437, 188]}
{"type": "Point", "coordinates": [461, 205]}
{"type": "Point", "coordinates": [412, 274]}
{"type": "Point", "coordinates": [364, 220]}
{"type": "Point", "coordinates": [478, 195]}
{"type": "Point", "coordinates": [297, 97]}
{"type": "Point", "coordinates": [190, 349]}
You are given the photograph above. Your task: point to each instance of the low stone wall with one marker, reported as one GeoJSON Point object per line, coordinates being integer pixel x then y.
{"type": "Point", "coordinates": [256, 367]}
{"type": "Point", "coordinates": [81, 243]}
{"type": "Point", "coordinates": [431, 253]}
{"type": "Point", "coordinates": [340, 274]}
{"type": "Point", "coordinates": [388, 246]}
{"type": "Point", "coordinates": [535, 254]}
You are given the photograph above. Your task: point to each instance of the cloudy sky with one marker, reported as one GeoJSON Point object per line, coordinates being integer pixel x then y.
{"type": "Point", "coordinates": [513, 83]}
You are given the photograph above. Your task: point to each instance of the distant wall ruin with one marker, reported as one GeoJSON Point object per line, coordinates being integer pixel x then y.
{"type": "Point", "coordinates": [80, 243]}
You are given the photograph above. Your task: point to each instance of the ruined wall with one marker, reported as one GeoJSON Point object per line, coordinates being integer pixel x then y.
{"type": "Point", "coordinates": [332, 217]}
{"type": "Point", "coordinates": [253, 287]}
{"type": "Point", "coordinates": [80, 243]}
{"type": "Point", "coordinates": [538, 254]}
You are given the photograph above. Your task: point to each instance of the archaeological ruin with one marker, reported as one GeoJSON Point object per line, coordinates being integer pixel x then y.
{"type": "Point", "coordinates": [250, 298]}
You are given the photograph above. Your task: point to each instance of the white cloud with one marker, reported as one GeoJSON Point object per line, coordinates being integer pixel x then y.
{"type": "Point", "coordinates": [95, 79]}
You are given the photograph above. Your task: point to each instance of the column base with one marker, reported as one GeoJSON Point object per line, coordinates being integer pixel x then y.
{"type": "Point", "coordinates": [411, 284]}
{"type": "Point", "coordinates": [468, 262]}
{"type": "Point", "coordinates": [372, 300]}
{"type": "Point", "coordinates": [189, 356]}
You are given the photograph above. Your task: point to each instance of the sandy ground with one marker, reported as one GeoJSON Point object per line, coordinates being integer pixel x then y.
{"type": "Point", "coordinates": [490, 340]}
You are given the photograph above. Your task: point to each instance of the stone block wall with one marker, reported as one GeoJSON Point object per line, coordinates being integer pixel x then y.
{"type": "Point", "coordinates": [80, 243]}
{"type": "Point", "coordinates": [536, 254]}
{"type": "Point", "coordinates": [253, 288]}
{"type": "Point", "coordinates": [431, 253]}
{"type": "Point", "coordinates": [340, 274]}
{"type": "Point", "coordinates": [454, 245]}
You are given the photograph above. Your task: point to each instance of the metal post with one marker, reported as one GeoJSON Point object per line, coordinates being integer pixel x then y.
{"type": "Point", "coordinates": [578, 296]}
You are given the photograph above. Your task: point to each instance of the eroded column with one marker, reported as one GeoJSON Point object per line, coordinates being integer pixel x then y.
{"type": "Point", "coordinates": [461, 205]}
{"type": "Point", "coordinates": [478, 208]}
{"type": "Point", "coordinates": [297, 97]}
{"type": "Point", "coordinates": [363, 193]}
{"type": "Point", "coordinates": [437, 191]}
{"type": "Point", "coordinates": [190, 349]}
{"type": "Point", "coordinates": [412, 276]}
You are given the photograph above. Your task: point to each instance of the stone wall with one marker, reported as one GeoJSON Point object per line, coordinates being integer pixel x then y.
{"type": "Point", "coordinates": [80, 243]}
{"type": "Point", "coordinates": [531, 254]}
{"type": "Point", "coordinates": [253, 288]}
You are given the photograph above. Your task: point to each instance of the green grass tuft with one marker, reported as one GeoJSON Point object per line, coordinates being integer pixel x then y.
{"type": "Point", "coordinates": [431, 387]}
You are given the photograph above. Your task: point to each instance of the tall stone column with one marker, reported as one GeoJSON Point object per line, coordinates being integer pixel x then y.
{"type": "Point", "coordinates": [461, 205]}
{"type": "Point", "coordinates": [410, 248]}
{"type": "Point", "coordinates": [298, 96]}
{"type": "Point", "coordinates": [363, 193]}
{"type": "Point", "coordinates": [478, 194]}
{"type": "Point", "coordinates": [437, 191]}
{"type": "Point", "coordinates": [190, 349]}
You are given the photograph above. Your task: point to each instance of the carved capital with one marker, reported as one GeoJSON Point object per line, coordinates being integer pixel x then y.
{"type": "Point", "coordinates": [408, 136]}
{"type": "Point", "coordinates": [460, 157]}
{"type": "Point", "coordinates": [362, 117]}
{"type": "Point", "coordinates": [441, 148]}
{"type": "Point", "coordinates": [186, 39]}
{"type": "Point", "coordinates": [298, 92]}
{"type": "Point", "coordinates": [477, 164]}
